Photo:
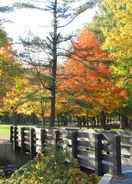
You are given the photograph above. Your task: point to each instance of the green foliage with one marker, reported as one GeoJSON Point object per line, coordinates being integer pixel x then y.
{"type": "Point", "coordinates": [3, 38]}
{"type": "Point", "coordinates": [50, 168]}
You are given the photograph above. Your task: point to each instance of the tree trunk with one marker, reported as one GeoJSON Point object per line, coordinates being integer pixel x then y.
{"type": "Point", "coordinates": [54, 68]}
{"type": "Point", "coordinates": [53, 106]}
{"type": "Point", "coordinates": [124, 122]}
{"type": "Point", "coordinates": [103, 119]}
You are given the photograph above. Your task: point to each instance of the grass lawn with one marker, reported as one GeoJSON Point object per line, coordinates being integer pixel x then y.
{"type": "Point", "coordinates": [5, 130]}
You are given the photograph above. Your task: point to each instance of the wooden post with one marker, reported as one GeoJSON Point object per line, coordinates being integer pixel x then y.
{"type": "Point", "coordinates": [57, 138]}
{"type": "Point", "coordinates": [43, 135]}
{"type": "Point", "coordinates": [116, 148]}
{"type": "Point", "coordinates": [98, 154]}
{"type": "Point", "coordinates": [32, 143]}
{"type": "Point", "coordinates": [74, 144]}
{"type": "Point", "coordinates": [22, 139]}
{"type": "Point", "coordinates": [11, 134]}
{"type": "Point", "coordinates": [15, 142]}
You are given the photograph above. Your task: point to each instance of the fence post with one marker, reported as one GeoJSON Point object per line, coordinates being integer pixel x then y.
{"type": "Point", "coordinates": [98, 154]}
{"type": "Point", "coordinates": [22, 139]}
{"type": "Point", "coordinates": [15, 142]}
{"type": "Point", "coordinates": [11, 134]}
{"type": "Point", "coordinates": [43, 135]}
{"type": "Point", "coordinates": [74, 144]}
{"type": "Point", "coordinates": [32, 142]}
{"type": "Point", "coordinates": [116, 147]}
{"type": "Point", "coordinates": [57, 138]}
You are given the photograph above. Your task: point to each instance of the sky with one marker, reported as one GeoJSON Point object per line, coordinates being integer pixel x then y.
{"type": "Point", "coordinates": [24, 21]}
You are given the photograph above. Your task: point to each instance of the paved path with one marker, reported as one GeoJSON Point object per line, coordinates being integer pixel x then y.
{"type": "Point", "coordinates": [7, 154]}
{"type": "Point", "coordinates": [126, 178]}
{"type": "Point", "coordinates": [2, 141]}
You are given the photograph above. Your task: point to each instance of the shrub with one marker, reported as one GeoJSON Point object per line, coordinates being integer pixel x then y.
{"type": "Point", "coordinates": [49, 168]}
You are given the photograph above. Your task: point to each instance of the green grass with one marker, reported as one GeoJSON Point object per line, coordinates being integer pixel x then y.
{"type": "Point", "coordinates": [5, 130]}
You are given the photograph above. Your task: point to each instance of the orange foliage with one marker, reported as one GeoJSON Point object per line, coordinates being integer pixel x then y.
{"type": "Point", "coordinates": [88, 77]}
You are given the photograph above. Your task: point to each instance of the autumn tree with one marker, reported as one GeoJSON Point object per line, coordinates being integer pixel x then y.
{"type": "Point", "coordinates": [10, 77]}
{"type": "Point", "coordinates": [8, 66]}
{"type": "Point", "coordinates": [87, 83]}
{"type": "Point", "coordinates": [25, 97]}
{"type": "Point", "coordinates": [114, 18]}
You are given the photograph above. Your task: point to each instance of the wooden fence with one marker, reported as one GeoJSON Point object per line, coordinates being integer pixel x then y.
{"type": "Point", "coordinates": [126, 147]}
{"type": "Point", "coordinates": [99, 152]}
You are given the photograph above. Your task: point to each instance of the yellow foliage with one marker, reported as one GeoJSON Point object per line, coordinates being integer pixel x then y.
{"type": "Point", "coordinates": [119, 36]}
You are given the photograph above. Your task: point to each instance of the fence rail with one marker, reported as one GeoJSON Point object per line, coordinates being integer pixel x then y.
{"type": "Point", "coordinates": [100, 152]}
